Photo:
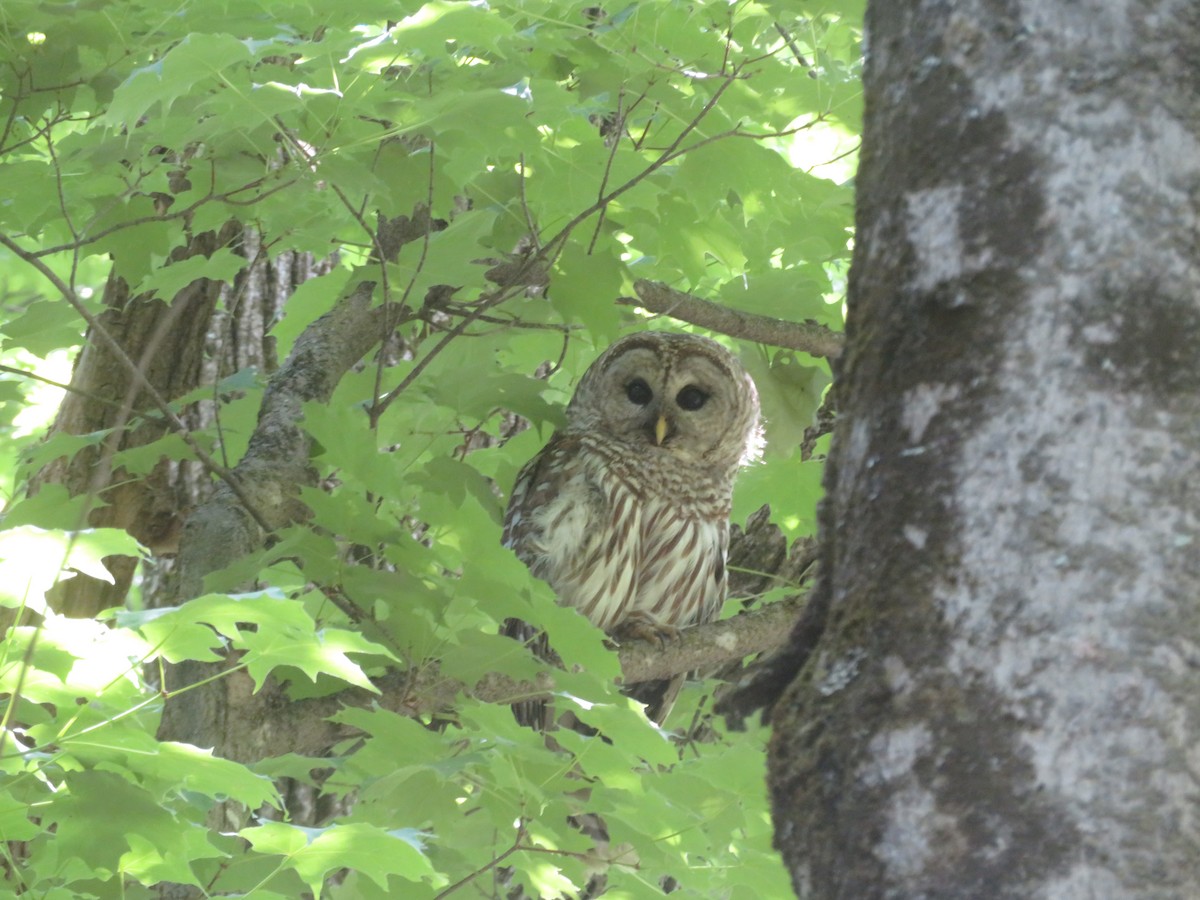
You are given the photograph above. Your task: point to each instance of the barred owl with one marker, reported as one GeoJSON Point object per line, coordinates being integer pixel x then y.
{"type": "Point", "coordinates": [626, 512]}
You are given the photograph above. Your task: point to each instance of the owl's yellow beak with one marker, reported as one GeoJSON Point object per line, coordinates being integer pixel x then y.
{"type": "Point", "coordinates": [660, 430]}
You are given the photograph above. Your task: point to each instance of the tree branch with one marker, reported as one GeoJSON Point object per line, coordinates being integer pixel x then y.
{"type": "Point", "coordinates": [304, 726]}
{"type": "Point", "coordinates": [704, 646]}
{"type": "Point", "coordinates": [221, 530]}
{"type": "Point", "coordinates": [276, 461]}
{"type": "Point", "coordinates": [810, 337]}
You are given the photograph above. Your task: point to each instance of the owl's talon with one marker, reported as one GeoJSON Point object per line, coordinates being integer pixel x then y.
{"type": "Point", "coordinates": [641, 627]}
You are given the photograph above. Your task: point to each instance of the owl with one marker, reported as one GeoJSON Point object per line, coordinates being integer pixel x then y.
{"type": "Point", "coordinates": [625, 512]}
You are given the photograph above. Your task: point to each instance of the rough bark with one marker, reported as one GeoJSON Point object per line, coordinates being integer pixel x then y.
{"type": "Point", "coordinates": [1004, 701]}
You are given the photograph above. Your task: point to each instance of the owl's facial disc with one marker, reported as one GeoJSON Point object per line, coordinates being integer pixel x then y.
{"type": "Point", "coordinates": [669, 394]}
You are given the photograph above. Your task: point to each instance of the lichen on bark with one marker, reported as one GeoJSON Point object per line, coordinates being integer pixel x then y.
{"type": "Point", "coordinates": [1000, 702]}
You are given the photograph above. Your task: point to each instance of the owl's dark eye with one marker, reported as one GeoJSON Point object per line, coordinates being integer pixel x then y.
{"type": "Point", "coordinates": [639, 392]}
{"type": "Point", "coordinates": [691, 398]}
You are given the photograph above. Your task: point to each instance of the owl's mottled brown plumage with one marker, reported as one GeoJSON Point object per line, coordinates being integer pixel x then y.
{"type": "Point", "coordinates": [626, 512]}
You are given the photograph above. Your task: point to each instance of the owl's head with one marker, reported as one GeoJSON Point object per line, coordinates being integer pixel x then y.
{"type": "Point", "coordinates": [681, 394]}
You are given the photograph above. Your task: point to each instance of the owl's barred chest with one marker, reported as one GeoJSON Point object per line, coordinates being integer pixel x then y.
{"type": "Point", "coordinates": [656, 478]}
{"type": "Point", "coordinates": [610, 548]}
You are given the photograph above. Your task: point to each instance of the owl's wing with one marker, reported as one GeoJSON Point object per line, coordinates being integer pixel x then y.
{"type": "Point", "coordinates": [535, 504]}
{"type": "Point", "coordinates": [551, 494]}
{"type": "Point", "coordinates": [577, 528]}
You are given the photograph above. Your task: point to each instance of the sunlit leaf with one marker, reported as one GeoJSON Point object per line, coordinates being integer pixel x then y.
{"type": "Point", "coordinates": [167, 281]}
{"type": "Point", "coordinates": [315, 852]}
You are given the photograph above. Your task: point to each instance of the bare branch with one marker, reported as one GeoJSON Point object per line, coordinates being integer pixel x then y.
{"type": "Point", "coordinates": [810, 337]}
{"type": "Point", "coordinates": [794, 47]}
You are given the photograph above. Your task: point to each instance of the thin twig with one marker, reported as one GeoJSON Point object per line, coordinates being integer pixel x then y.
{"type": "Point", "coordinates": [12, 118]}
{"type": "Point", "coordinates": [530, 227]}
{"type": "Point", "coordinates": [380, 406]}
{"type": "Point", "coordinates": [95, 398]}
{"type": "Point", "coordinates": [62, 201]}
{"type": "Point", "coordinates": [842, 155]}
{"type": "Point", "coordinates": [666, 156]}
{"type": "Point", "coordinates": [792, 45]}
{"type": "Point", "coordinates": [484, 305]}
{"type": "Point", "coordinates": [619, 129]}
{"type": "Point", "coordinates": [226, 197]}
{"type": "Point", "coordinates": [487, 867]}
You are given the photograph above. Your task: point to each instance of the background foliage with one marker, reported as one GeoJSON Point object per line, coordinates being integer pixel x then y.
{"type": "Point", "coordinates": [582, 147]}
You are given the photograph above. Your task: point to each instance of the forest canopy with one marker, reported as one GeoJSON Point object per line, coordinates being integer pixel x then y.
{"type": "Point", "coordinates": [336, 271]}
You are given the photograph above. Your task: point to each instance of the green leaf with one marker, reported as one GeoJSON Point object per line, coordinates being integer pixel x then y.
{"type": "Point", "coordinates": [286, 636]}
{"type": "Point", "coordinates": [475, 654]}
{"type": "Point", "coordinates": [399, 746]}
{"type": "Point", "coordinates": [189, 64]}
{"type": "Point", "coordinates": [188, 768]}
{"type": "Point", "coordinates": [796, 294]}
{"type": "Point", "coordinates": [573, 636]}
{"type": "Point", "coordinates": [51, 507]}
{"type": "Point", "coordinates": [142, 460]}
{"type": "Point", "coordinates": [308, 302]}
{"type": "Point", "coordinates": [454, 480]}
{"type": "Point", "coordinates": [315, 852]}
{"type": "Point", "coordinates": [792, 491]}
{"type": "Point", "coordinates": [324, 652]}
{"type": "Point", "coordinates": [151, 864]}
{"type": "Point", "coordinates": [167, 281]}
{"type": "Point", "coordinates": [790, 393]}
{"type": "Point", "coordinates": [95, 797]}
{"type": "Point", "coordinates": [585, 289]}
{"type": "Point", "coordinates": [173, 636]}
{"type": "Point", "coordinates": [44, 327]}
{"type": "Point", "coordinates": [455, 257]}
{"type": "Point", "coordinates": [633, 733]}
{"type": "Point", "coordinates": [277, 838]}
{"type": "Point", "coordinates": [88, 549]}
{"type": "Point", "coordinates": [475, 398]}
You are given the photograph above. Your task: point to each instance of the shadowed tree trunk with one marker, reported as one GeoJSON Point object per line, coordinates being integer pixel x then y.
{"type": "Point", "coordinates": [208, 331]}
{"type": "Point", "coordinates": [1005, 699]}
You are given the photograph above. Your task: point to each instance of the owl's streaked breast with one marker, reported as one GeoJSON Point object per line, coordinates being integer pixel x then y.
{"type": "Point", "coordinates": [610, 550]}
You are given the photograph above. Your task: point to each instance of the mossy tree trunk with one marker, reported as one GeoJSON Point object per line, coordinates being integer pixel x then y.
{"type": "Point", "coordinates": [1005, 699]}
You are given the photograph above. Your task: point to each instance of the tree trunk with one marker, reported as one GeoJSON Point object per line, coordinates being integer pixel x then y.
{"type": "Point", "coordinates": [208, 331]}
{"type": "Point", "coordinates": [1005, 700]}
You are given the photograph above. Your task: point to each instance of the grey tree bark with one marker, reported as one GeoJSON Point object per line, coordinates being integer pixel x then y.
{"type": "Point", "coordinates": [1004, 700]}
